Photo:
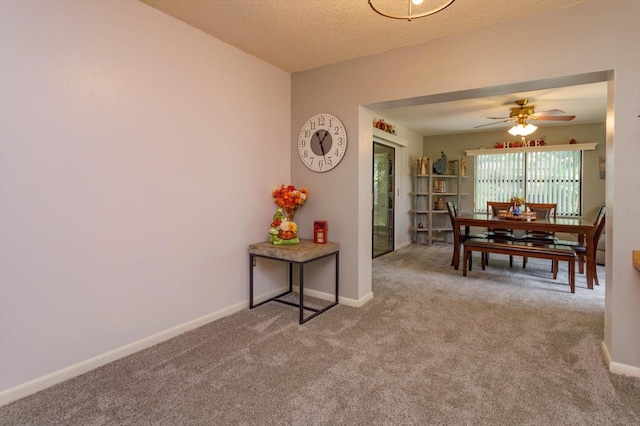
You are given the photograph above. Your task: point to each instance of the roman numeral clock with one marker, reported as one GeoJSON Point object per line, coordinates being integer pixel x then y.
{"type": "Point", "coordinates": [322, 142]}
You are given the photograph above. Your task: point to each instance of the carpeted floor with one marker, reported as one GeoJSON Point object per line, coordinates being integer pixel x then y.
{"type": "Point", "coordinates": [502, 346]}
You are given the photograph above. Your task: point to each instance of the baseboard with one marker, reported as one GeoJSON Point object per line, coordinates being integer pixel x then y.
{"type": "Point", "coordinates": [268, 295]}
{"type": "Point", "coordinates": [624, 369]}
{"type": "Point", "coordinates": [356, 303]}
{"type": "Point", "coordinates": [72, 371]}
{"type": "Point", "coordinates": [41, 383]}
{"type": "Point", "coordinates": [618, 368]}
{"type": "Point", "coordinates": [364, 299]}
{"type": "Point", "coordinates": [606, 354]}
{"type": "Point", "coordinates": [402, 245]}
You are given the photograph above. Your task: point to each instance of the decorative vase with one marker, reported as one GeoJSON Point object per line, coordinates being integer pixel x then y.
{"type": "Point", "coordinates": [283, 230]}
{"type": "Point", "coordinates": [517, 209]}
{"type": "Point", "coordinates": [290, 214]}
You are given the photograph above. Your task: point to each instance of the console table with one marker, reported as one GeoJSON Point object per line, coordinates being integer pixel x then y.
{"type": "Point", "coordinates": [300, 254]}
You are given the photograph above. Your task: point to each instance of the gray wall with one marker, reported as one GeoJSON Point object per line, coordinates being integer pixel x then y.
{"type": "Point", "coordinates": [590, 37]}
{"type": "Point", "coordinates": [454, 146]}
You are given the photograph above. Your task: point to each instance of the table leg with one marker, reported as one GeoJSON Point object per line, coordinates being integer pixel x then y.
{"type": "Point", "coordinates": [299, 305]}
{"type": "Point", "coordinates": [301, 293]}
{"type": "Point", "coordinates": [290, 277]}
{"type": "Point", "coordinates": [581, 240]}
{"type": "Point", "coordinates": [337, 273]}
{"type": "Point", "coordinates": [467, 253]}
{"type": "Point", "coordinates": [250, 281]}
{"type": "Point", "coordinates": [456, 245]}
{"type": "Point", "coordinates": [590, 257]}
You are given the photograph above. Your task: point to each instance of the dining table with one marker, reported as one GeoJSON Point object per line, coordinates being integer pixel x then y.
{"type": "Point", "coordinates": [584, 229]}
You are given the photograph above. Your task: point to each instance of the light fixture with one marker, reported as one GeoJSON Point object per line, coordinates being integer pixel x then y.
{"type": "Point", "coordinates": [522, 128]}
{"type": "Point", "coordinates": [409, 16]}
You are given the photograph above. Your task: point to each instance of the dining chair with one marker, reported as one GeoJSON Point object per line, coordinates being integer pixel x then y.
{"type": "Point", "coordinates": [493, 208]}
{"type": "Point", "coordinates": [581, 248]}
{"type": "Point", "coordinates": [453, 212]}
{"type": "Point", "coordinates": [542, 211]}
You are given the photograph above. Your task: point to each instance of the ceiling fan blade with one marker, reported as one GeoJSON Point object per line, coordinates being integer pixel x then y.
{"type": "Point", "coordinates": [491, 124]}
{"type": "Point", "coordinates": [554, 117]}
{"type": "Point", "coordinates": [549, 112]}
{"type": "Point", "coordinates": [523, 113]}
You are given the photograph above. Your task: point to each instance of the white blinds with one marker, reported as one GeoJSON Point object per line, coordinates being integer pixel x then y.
{"type": "Point", "coordinates": [554, 177]}
{"type": "Point", "coordinates": [498, 178]}
{"type": "Point", "coordinates": [539, 177]}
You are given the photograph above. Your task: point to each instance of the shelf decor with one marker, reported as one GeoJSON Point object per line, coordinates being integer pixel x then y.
{"type": "Point", "coordinates": [385, 127]}
{"type": "Point", "coordinates": [565, 147]}
{"type": "Point", "coordinates": [518, 205]}
{"type": "Point", "coordinates": [440, 166]}
{"type": "Point", "coordinates": [421, 165]}
{"type": "Point", "coordinates": [289, 199]}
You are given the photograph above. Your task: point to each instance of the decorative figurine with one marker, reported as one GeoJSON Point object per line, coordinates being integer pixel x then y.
{"type": "Point", "coordinates": [423, 165]}
{"type": "Point", "coordinates": [463, 166]}
{"type": "Point", "coordinates": [440, 166]}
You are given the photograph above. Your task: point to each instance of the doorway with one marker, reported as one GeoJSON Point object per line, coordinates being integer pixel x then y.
{"type": "Point", "coordinates": [383, 199]}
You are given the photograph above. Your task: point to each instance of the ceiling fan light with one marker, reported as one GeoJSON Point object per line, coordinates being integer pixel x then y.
{"type": "Point", "coordinates": [522, 130]}
{"type": "Point", "coordinates": [410, 15]}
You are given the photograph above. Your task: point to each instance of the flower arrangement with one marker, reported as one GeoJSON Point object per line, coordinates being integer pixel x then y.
{"type": "Point", "coordinates": [517, 200]}
{"type": "Point", "coordinates": [517, 205]}
{"type": "Point", "coordinates": [289, 199]}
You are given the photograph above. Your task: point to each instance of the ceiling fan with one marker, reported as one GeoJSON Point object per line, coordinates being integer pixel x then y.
{"type": "Point", "coordinates": [520, 114]}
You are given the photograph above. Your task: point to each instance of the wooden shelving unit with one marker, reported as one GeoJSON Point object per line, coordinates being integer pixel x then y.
{"type": "Point", "coordinates": [430, 221]}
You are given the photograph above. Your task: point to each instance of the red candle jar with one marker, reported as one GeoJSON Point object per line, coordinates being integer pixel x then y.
{"type": "Point", "coordinates": [320, 231]}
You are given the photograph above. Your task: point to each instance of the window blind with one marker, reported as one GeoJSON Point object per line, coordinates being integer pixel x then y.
{"type": "Point", "coordinates": [539, 177]}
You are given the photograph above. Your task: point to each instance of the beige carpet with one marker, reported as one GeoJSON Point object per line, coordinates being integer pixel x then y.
{"type": "Point", "coordinates": [503, 346]}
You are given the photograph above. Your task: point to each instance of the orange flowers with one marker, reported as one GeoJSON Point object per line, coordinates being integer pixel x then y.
{"type": "Point", "coordinates": [290, 198]}
{"type": "Point", "coordinates": [517, 200]}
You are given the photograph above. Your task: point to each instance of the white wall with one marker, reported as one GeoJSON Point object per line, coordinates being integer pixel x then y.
{"type": "Point", "coordinates": [137, 160]}
{"type": "Point", "coordinates": [587, 38]}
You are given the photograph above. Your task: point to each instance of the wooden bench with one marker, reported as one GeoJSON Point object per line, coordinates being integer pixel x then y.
{"type": "Point", "coordinates": [521, 248]}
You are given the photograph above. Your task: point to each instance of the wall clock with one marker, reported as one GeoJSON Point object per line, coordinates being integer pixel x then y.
{"type": "Point", "coordinates": [322, 142]}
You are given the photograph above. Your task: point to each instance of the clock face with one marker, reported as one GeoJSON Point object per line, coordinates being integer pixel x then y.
{"type": "Point", "coordinates": [322, 142]}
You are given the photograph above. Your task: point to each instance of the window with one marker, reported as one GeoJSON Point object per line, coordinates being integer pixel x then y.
{"type": "Point", "coordinates": [539, 177]}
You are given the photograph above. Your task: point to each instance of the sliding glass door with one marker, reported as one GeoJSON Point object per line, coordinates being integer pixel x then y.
{"type": "Point", "coordinates": [383, 198]}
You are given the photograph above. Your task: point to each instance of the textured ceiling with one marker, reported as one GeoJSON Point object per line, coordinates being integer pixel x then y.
{"type": "Point", "coordinates": [298, 35]}
{"type": "Point", "coordinates": [588, 102]}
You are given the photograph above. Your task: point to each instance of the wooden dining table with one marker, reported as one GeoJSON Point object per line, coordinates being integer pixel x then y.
{"type": "Point", "coordinates": [584, 229]}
